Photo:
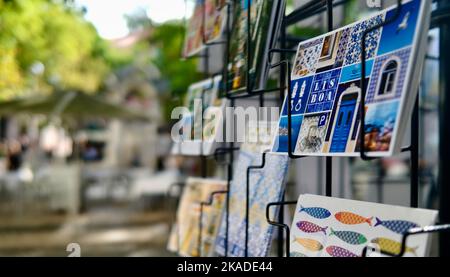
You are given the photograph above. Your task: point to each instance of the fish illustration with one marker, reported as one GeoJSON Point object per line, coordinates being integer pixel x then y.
{"type": "Point", "coordinates": [309, 227]}
{"type": "Point", "coordinates": [298, 255]}
{"type": "Point", "coordinates": [319, 213]}
{"type": "Point", "coordinates": [352, 219]}
{"type": "Point", "coordinates": [397, 226]}
{"type": "Point", "coordinates": [310, 244]}
{"type": "Point", "coordinates": [392, 246]}
{"type": "Point", "coordinates": [349, 237]}
{"type": "Point", "coordinates": [336, 251]}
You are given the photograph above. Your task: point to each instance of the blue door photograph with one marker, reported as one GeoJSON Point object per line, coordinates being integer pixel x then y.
{"type": "Point", "coordinates": [343, 123]}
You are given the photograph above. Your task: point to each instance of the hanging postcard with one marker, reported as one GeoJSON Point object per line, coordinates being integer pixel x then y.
{"type": "Point", "coordinates": [265, 21]}
{"type": "Point", "coordinates": [193, 42]}
{"type": "Point", "coordinates": [215, 19]}
{"type": "Point", "coordinates": [266, 185]}
{"type": "Point", "coordinates": [332, 227]}
{"type": "Point", "coordinates": [326, 86]}
{"type": "Point", "coordinates": [201, 127]}
{"type": "Point", "coordinates": [185, 233]}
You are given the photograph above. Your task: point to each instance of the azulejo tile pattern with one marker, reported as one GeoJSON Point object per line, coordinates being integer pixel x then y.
{"type": "Point", "coordinates": [266, 185]}
{"type": "Point", "coordinates": [307, 57]}
{"type": "Point", "coordinates": [401, 56]}
{"type": "Point", "coordinates": [372, 40]}
{"type": "Point", "coordinates": [343, 43]}
{"type": "Point", "coordinates": [237, 200]}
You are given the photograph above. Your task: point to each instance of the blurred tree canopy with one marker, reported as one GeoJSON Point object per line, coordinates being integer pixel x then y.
{"type": "Point", "coordinates": [47, 44]}
{"type": "Point", "coordinates": [164, 46]}
{"type": "Point", "coordinates": [167, 39]}
{"type": "Point", "coordinates": [160, 46]}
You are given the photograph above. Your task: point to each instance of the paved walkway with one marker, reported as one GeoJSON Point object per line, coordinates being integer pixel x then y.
{"type": "Point", "coordinates": [104, 232]}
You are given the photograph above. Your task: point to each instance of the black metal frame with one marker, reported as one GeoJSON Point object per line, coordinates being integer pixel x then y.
{"type": "Point", "coordinates": [414, 147]}
{"type": "Point", "coordinates": [280, 224]}
{"type": "Point", "coordinates": [306, 11]}
{"type": "Point", "coordinates": [409, 233]}
{"type": "Point", "coordinates": [316, 7]}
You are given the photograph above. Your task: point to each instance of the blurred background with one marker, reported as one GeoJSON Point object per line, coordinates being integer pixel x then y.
{"type": "Point", "coordinates": [86, 92]}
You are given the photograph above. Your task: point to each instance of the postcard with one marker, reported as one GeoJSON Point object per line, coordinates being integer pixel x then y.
{"type": "Point", "coordinates": [193, 42]}
{"type": "Point", "coordinates": [262, 31]}
{"type": "Point", "coordinates": [266, 186]}
{"type": "Point", "coordinates": [332, 227]}
{"type": "Point", "coordinates": [184, 238]}
{"type": "Point", "coordinates": [202, 126]}
{"type": "Point", "coordinates": [326, 86]}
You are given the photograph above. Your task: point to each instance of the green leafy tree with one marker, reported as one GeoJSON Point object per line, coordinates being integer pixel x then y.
{"type": "Point", "coordinates": [167, 40]}
{"type": "Point", "coordinates": [46, 44]}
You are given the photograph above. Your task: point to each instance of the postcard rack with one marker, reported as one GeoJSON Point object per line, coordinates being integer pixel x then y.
{"type": "Point", "coordinates": [313, 7]}
{"type": "Point", "coordinates": [284, 72]}
{"type": "Point", "coordinates": [438, 17]}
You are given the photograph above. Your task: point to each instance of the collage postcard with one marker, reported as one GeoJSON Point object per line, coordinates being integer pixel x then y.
{"type": "Point", "coordinates": [326, 86]}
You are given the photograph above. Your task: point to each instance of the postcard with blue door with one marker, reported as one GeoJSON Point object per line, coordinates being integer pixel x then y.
{"type": "Point", "coordinates": [326, 86]}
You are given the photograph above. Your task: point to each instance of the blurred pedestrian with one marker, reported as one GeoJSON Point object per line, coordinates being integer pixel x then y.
{"type": "Point", "coordinates": [14, 155]}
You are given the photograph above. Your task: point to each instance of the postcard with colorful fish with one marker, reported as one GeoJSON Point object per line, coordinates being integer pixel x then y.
{"type": "Point", "coordinates": [332, 227]}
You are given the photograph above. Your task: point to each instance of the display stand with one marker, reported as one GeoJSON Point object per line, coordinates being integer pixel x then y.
{"type": "Point", "coordinates": [281, 225]}
{"type": "Point", "coordinates": [230, 149]}
{"type": "Point", "coordinates": [312, 8]}
{"type": "Point", "coordinates": [414, 147]}
{"type": "Point", "coordinates": [316, 7]}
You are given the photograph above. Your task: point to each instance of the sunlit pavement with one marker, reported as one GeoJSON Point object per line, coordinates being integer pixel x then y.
{"type": "Point", "coordinates": [103, 232]}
